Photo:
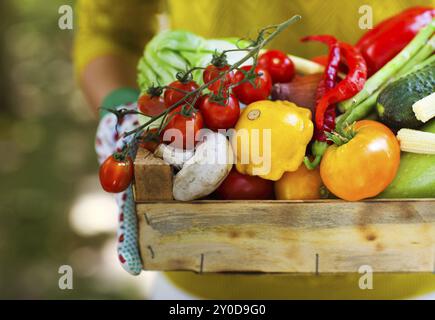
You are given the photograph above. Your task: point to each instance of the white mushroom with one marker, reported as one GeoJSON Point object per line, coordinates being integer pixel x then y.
{"type": "Point", "coordinates": [204, 172]}
{"type": "Point", "coordinates": [173, 156]}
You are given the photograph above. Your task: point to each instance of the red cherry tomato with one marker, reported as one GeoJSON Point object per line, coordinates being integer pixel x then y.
{"type": "Point", "coordinates": [278, 64]}
{"type": "Point", "coordinates": [116, 174]}
{"type": "Point", "coordinates": [199, 101]}
{"type": "Point", "coordinates": [247, 93]}
{"type": "Point", "coordinates": [187, 126]}
{"type": "Point", "coordinates": [237, 186]}
{"type": "Point", "coordinates": [217, 116]}
{"type": "Point", "coordinates": [151, 106]}
{"type": "Point", "coordinates": [172, 96]}
{"type": "Point", "coordinates": [212, 72]}
{"type": "Point", "coordinates": [151, 140]}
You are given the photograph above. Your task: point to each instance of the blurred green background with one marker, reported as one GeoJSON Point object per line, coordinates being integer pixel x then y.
{"type": "Point", "coordinates": [52, 209]}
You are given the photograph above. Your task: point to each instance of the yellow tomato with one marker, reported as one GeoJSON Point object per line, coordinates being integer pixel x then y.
{"type": "Point", "coordinates": [363, 167]}
{"type": "Point", "coordinates": [302, 184]}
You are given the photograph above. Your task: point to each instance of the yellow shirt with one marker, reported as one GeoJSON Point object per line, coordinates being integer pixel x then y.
{"type": "Point", "coordinates": [124, 27]}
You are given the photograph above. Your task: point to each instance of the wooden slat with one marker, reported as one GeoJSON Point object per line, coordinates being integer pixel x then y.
{"type": "Point", "coordinates": [153, 177]}
{"type": "Point", "coordinates": [288, 236]}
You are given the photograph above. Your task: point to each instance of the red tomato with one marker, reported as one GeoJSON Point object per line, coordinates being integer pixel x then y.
{"type": "Point", "coordinates": [151, 106]}
{"type": "Point", "coordinates": [172, 96]}
{"type": "Point", "coordinates": [151, 140]}
{"type": "Point", "coordinates": [278, 64]}
{"type": "Point", "coordinates": [218, 116]}
{"type": "Point", "coordinates": [116, 174]}
{"type": "Point", "coordinates": [247, 93]}
{"type": "Point", "coordinates": [199, 101]}
{"type": "Point", "coordinates": [238, 186]}
{"type": "Point", "coordinates": [212, 72]}
{"type": "Point", "coordinates": [187, 126]}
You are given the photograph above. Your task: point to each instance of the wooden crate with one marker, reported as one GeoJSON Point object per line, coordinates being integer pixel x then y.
{"type": "Point", "coordinates": [324, 236]}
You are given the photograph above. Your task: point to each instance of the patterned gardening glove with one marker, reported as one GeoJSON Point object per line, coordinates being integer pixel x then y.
{"type": "Point", "coordinates": [109, 140]}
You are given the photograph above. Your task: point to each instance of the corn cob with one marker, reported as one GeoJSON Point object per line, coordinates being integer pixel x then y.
{"type": "Point", "coordinates": [416, 141]}
{"type": "Point", "coordinates": [424, 109]}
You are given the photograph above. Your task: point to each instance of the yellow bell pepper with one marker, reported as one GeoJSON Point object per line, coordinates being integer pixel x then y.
{"type": "Point", "coordinates": [271, 138]}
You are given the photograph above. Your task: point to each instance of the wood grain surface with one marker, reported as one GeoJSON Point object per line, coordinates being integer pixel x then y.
{"type": "Point", "coordinates": [325, 236]}
{"type": "Point", "coordinates": [153, 177]}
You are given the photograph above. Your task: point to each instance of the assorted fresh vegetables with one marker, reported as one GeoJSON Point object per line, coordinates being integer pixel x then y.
{"type": "Point", "coordinates": [298, 130]}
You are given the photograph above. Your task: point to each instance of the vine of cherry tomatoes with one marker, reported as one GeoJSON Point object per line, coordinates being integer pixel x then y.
{"type": "Point", "coordinates": [220, 109]}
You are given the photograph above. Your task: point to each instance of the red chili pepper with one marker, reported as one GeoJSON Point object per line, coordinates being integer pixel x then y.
{"type": "Point", "coordinates": [349, 86]}
{"type": "Point", "coordinates": [388, 38]}
{"type": "Point", "coordinates": [327, 83]}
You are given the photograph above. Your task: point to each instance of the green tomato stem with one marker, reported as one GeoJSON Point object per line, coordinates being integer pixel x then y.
{"type": "Point", "coordinates": [318, 149]}
{"type": "Point", "coordinates": [262, 40]}
{"type": "Point", "coordinates": [311, 165]}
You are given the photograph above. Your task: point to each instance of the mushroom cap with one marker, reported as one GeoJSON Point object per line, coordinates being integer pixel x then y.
{"type": "Point", "coordinates": [173, 156]}
{"type": "Point", "coordinates": [204, 172]}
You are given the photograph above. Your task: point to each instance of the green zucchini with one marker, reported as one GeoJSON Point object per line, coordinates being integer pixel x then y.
{"type": "Point", "coordinates": [395, 102]}
{"type": "Point", "coordinates": [416, 175]}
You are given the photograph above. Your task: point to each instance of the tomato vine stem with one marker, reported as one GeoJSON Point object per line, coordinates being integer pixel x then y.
{"type": "Point", "coordinates": [265, 36]}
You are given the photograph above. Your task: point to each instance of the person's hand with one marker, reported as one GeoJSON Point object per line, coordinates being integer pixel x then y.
{"type": "Point", "coordinates": [108, 140]}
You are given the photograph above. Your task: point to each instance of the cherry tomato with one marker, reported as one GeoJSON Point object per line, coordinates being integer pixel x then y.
{"type": "Point", "coordinates": [237, 186]}
{"type": "Point", "coordinates": [116, 174]}
{"type": "Point", "coordinates": [200, 100]}
{"type": "Point", "coordinates": [212, 72]}
{"type": "Point", "coordinates": [172, 96]}
{"type": "Point", "coordinates": [247, 93]}
{"type": "Point", "coordinates": [302, 184]}
{"type": "Point", "coordinates": [187, 128]}
{"type": "Point", "coordinates": [151, 106]}
{"type": "Point", "coordinates": [217, 116]}
{"type": "Point", "coordinates": [151, 140]}
{"type": "Point", "coordinates": [278, 64]}
{"type": "Point", "coordinates": [364, 166]}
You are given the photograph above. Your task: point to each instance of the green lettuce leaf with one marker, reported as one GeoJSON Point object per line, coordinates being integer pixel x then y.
{"type": "Point", "coordinates": [172, 51]}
